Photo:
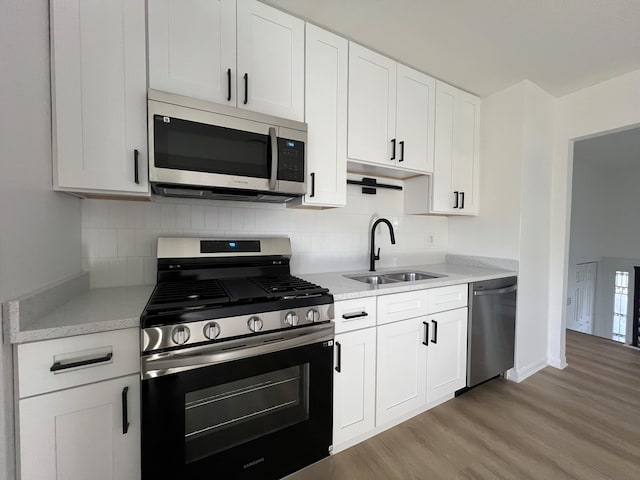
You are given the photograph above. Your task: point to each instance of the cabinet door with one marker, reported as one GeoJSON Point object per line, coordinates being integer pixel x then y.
{"type": "Point", "coordinates": [465, 176]}
{"type": "Point", "coordinates": [415, 119]}
{"type": "Point", "coordinates": [271, 56]}
{"type": "Point", "coordinates": [192, 48]}
{"type": "Point", "coordinates": [447, 353]}
{"type": "Point", "coordinates": [372, 106]}
{"type": "Point", "coordinates": [99, 86]}
{"type": "Point", "coordinates": [456, 162]}
{"type": "Point", "coordinates": [77, 434]}
{"type": "Point", "coordinates": [326, 115]}
{"type": "Point", "coordinates": [354, 384]}
{"type": "Point", "coordinates": [401, 369]}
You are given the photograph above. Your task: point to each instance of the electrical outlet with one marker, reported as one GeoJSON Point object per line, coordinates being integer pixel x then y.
{"type": "Point", "coordinates": [568, 301]}
{"type": "Point", "coordinates": [429, 240]}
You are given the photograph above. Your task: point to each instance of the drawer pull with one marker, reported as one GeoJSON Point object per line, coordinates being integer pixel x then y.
{"type": "Point", "coordinates": [350, 316]}
{"type": "Point", "coordinates": [57, 366]}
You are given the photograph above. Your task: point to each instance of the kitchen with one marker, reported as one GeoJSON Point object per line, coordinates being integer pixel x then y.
{"type": "Point", "coordinates": [52, 234]}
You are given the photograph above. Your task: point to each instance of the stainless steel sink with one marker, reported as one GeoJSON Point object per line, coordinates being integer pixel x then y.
{"type": "Point", "coordinates": [373, 279]}
{"type": "Point", "coordinates": [410, 276]}
{"type": "Point", "coordinates": [393, 277]}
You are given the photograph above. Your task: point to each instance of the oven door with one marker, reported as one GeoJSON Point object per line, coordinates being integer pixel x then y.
{"type": "Point", "coordinates": [237, 409]}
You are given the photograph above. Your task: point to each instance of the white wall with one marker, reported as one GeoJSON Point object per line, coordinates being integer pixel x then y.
{"type": "Point", "coordinates": [608, 106]}
{"type": "Point", "coordinates": [40, 233]}
{"type": "Point", "coordinates": [516, 146]}
{"type": "Point", "coordinates": [496, 231]}
{"type": "Point", "coordinates": [119, 238]}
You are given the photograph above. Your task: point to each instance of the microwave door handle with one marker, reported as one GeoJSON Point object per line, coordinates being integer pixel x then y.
{"type": "Point", "coordinates": [274, 158]}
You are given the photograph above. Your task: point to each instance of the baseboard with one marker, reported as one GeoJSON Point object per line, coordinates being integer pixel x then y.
{"type": "Point", "coordinates": [519, 374]}
{"type": "Point", "coordinates": [559, 363]}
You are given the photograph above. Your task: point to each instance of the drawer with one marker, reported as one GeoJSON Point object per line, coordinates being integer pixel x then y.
{"type": "Point", "coordinates": [447, 298]}
{"type": "Point", "coordinates": [355, 314]}
{"type": "Point", "coordinates": [76, 360]}
{"type": "Point", "coordinates": [400, 306]}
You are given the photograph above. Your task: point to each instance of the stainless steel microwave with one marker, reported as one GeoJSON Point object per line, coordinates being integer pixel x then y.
{"type": "Point", "coordinates": [199, 149]}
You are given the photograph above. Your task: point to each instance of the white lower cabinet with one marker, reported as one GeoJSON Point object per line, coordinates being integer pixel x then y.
{"type": "Point", "coordinates": [401, 378]}
{"type": "Point", "coordinates": [447, 353]}
{"type": "Point", "coordinates": [354, 384]}
{"type": "Point", "coordinates": [78, 434]}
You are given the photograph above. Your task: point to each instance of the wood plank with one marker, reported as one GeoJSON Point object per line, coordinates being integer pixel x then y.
{"type": "Point", "coordinates": [582, 422]}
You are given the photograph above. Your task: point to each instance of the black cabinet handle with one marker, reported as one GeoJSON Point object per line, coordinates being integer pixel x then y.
{"type": "Point", "coordinates": [313, 184]}
{"type": "Point", "coordinates": [349, 316]}
{"type": "Point", "coordinates": [57, 366]}
{"type": "Point", "coordinates": [136, 154]}
{"type": "Point", "coordinates": [125, 411]}
{"type": "Point", "coordinates": [435, 332]}
{"type": "Point", "coordinates": [426, 334]}
{"type": "Point", "coordinates": [401, 151]}
{"type": "Point", "coordinates": [229, 85]}
{"type": "Point", "coordinates": [393, 149]}
{"type": "Point", "coordinates": [339, 363]}
{"type": "Point", "coordinates": [461, 200]}
{"type": "Point", "coordinates": [246, 88]}
{"type": "Point", "coordinates": [457, 194]}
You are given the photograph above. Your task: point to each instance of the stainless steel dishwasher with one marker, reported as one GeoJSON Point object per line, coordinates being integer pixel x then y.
{"type": "Point", "coordinates": [491, 332]}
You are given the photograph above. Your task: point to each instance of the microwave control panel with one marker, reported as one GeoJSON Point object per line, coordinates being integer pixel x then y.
{"type": "Point", "coordinates": [290, 160]}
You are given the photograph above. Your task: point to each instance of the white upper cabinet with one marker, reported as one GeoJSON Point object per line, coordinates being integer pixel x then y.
{"type": "Point", "coordinates": [192, 48]}
{"type": "Point", "coordinates": [270, 61]}
{"type": "Point", "coordinates": [391, 113]}
{"type": "Point", "coordinates": [415, 119]}
{"type": "Point", "coordinates": [372, 106]}
{"type": "Point", "coordinates": [244, 54]}
{"type": "Point", "coordinates": [99, 88]}
{"type": "Point", "coordinates": [326, 59]}
{"type": "Point", "coordinates": [456, 173]}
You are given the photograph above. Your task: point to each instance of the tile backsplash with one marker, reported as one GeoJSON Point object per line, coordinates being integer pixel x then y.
{"type": "Point", "coordinates": [119, 237]}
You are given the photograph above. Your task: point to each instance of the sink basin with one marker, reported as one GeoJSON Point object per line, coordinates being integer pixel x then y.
{"type": "Point", "coordinates": [373, 279]}
{"type": "Point", "coordinates": [410, 276]}
{"type": "Point", "coordinates": [393, 277]}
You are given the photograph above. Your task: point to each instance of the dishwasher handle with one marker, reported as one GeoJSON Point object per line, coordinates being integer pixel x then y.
{"type": "Point", "coordinates": [497, 291]}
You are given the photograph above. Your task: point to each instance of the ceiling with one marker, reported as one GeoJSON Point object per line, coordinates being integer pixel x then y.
{"type": "Point", "coordinates": [613, 150]}
{"type": "Point", "coordinates": [484, 46]}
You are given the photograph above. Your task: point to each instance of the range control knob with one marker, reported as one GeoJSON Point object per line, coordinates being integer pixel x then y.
{"type": "Point", "coordinates": [313, 315]}
{"type": "Point", "coordinates": [291, 319]}
{"type": "Point", "coordinates": [180, 335]}
{"type": "Point", "coordinates": [255, 324]}
{"type": "Point", "coordinates": [211, 330]}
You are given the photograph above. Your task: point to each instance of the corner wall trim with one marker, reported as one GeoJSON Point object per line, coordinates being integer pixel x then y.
{"type": "Point", "coordinates": [520, 374]}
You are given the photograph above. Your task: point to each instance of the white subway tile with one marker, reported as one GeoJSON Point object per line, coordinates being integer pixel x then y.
{"type": "Point", "coordinates": [98, 272]}
{"type": "Point", "coordinates": [144, 243]}
{"type": "Point", "coordinates": [168, 213]}
{"type": "Point", "coordinates": [249, 220]}
{"type": "Point", "coordinates": [237, 219]}
{"type": "Point", "coordinates": [152, 215]}
{"type": "Point", "coordinates": [98, 214]}
{"type": "Point", "coordinates": [108, 240]}
{"type": "Point", "coordinates": [197, 217]}
{"type": "Point", "coordinates": [211, 218]}
{"type": "Point", "coordinates": [183, 217]}
{"type": "Point", "coordinates": [224, 219]}
{"type": "Point", "coordinates": [135, 271]}
{"type": "Point", "coordinates": [117, 272]}
{"type": "Point", "coordinates": [135, 215]}
{"type": "Point", "coordinates": [126, 243]}
{"type": "Point", "coordinates": [150, 270]}
{"type": "Point", "coordinates": [117, 214]}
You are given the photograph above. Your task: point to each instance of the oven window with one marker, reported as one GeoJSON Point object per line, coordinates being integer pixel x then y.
{"type": "Point", "coordinates": [221, 417]}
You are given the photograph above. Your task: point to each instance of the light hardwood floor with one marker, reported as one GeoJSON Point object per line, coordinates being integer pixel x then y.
{"type": "Point", "coordinates": [582, 422]}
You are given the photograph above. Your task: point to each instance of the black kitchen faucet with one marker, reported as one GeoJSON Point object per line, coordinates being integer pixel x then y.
{"type": "Point", "coordinates": [373, 256]}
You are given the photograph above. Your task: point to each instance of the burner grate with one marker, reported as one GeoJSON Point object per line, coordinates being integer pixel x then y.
{"type": "Point", "coordinates": [288, 286]}
{"type": "Point", "coordinates": [187, 294]}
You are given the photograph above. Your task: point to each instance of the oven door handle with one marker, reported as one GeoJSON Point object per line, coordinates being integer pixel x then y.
{"type": "Point", "coordinates": [160, 364]}
{"type": "Point", "coordinates": [273, 140]}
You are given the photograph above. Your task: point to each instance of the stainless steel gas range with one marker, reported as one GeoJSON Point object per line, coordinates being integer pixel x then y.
{"type": "Point", "coordinates": [236, 363]}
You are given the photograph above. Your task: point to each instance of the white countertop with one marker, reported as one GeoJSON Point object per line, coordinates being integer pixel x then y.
{"type": "Point", "coordinates": [344, 288]}
{"type": "Point", "coordinates": [89, 311]}
{"type": "Point", "coordinates": [71, 308]}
